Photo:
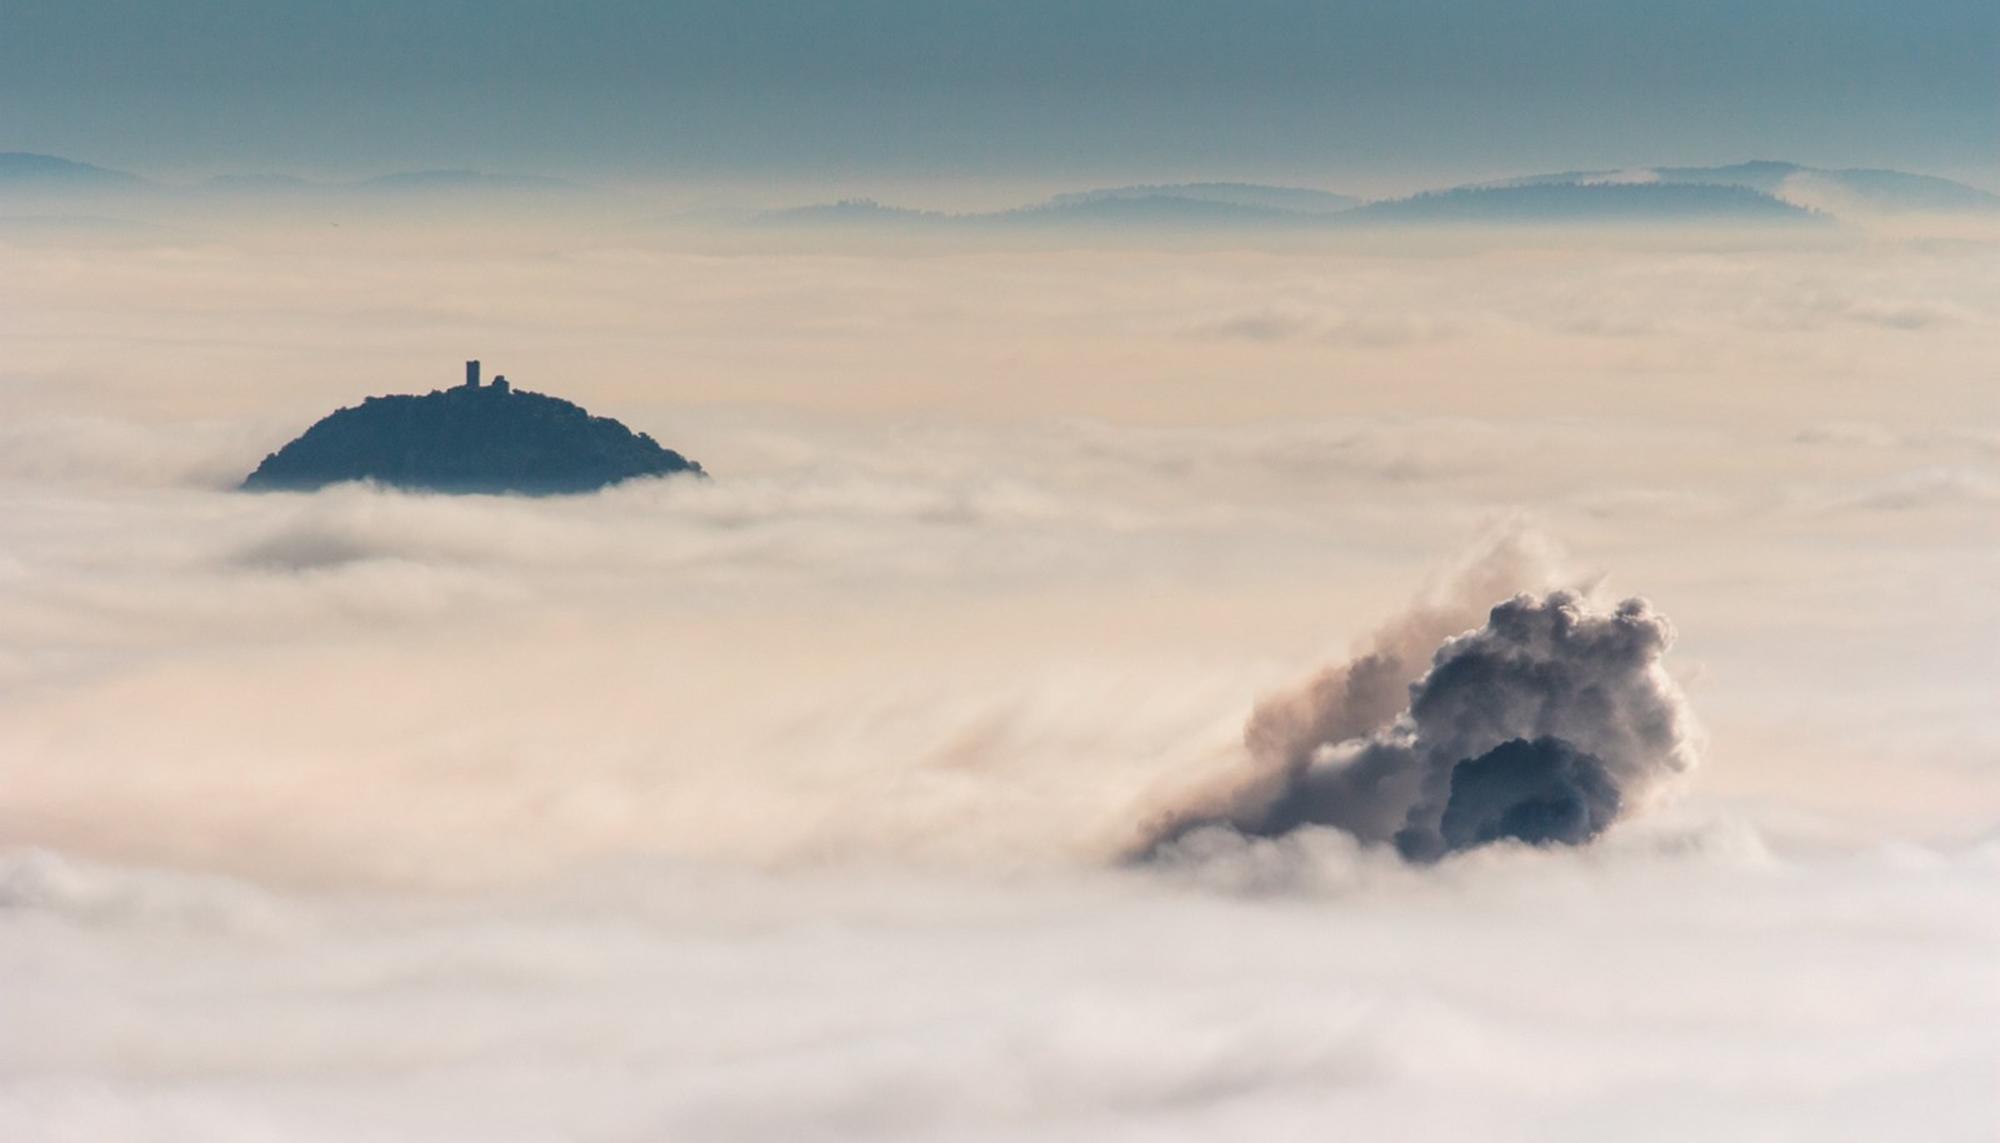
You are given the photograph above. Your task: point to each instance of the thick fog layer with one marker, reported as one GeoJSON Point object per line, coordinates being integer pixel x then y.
{"type": "Point", "coordinates": [797, 803]}
{"type": "Point", "coordinates": [1662, 985]}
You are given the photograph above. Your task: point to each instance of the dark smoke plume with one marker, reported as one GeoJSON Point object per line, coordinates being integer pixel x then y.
{"type": "Point", "coordinates": [1542, 726]}
{"type": "Point", "coordinates": [1541, 791]}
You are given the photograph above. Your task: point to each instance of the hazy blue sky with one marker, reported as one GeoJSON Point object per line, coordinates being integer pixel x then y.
{"type": "Point", "coordinates": [1051, 87]}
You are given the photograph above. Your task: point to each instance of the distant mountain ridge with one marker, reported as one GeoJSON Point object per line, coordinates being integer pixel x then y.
{"type": "Point", "coordinates": [1762, 190]}
{"type": "Point", "coordinates": [1870, 188]}
{"type": "Point", "coordinates": [1199, 205]}
{"type": "Point", "coordinates": [1757, 192]}
{"type": "Point", "coordinates": [1596, 202]}
{"type": "Point", "coordinates": [38, 171]}
{"type": "Point", "coordinates": [1149, 210]}
{"type": "Point", "coordinates": [1528, 202]}
{"type": "Point", "coordinates": [849, 212]}
{"type": "Point", "coordinates": [447, 180]}
{"type": "Point", "coordinates": [257, 183]}
{"type": "Point", "coordinates": [1299, 200]}
{"type": "Point", "coordinates": [18, 167]}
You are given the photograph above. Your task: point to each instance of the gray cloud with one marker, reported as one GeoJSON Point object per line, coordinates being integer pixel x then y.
{"type": "Point", "coordinates": [1538, 792]}
{"type": "Point", "coordinates": [1541, 725]}
{"type": "Point", "coordinates": [1352, 700]}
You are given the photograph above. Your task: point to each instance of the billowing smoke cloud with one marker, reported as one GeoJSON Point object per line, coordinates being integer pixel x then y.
{"type": "Point", "coordinates": [1540, 791]}
{"type": "Point", "coordinates": [1542, 725]}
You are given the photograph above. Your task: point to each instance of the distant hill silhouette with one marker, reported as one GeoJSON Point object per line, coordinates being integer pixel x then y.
{"type": "Point", "coordinates": [258, 183]}
{"type": "Point", "coordinates": [1179, 206]}
{"type": "Point", "coordinates": [32, 172]}
{"type": "Point", "coordinates": [1589, 202]}
{"type": "Point", "coordinates": [1575, 198]}
{"type": "Point", "coordinates": [1875, 190]}
{"type": "Point", "coordinates": [1779, 192]}
{"type": "Point", "coordinates": [851, 212]}
{"type": "Point", "coordinates": [1761, 192]}
{"type": "Point", "coordinates": [19, 168]}
{"type": "Point", "coordinates": [428, 182]}
{"type": "Point", "coordinates": [486, 438]}
{"type": "Point", "coordinates": [1150, 210]}
{"type": "Point", "coordinates": [1299, 200]}
{"type": "Point", "coordinates": [1898, 191]}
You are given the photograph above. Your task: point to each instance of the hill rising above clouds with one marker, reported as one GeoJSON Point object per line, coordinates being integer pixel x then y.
{"type": "Point", "coordinates": [469, 439]}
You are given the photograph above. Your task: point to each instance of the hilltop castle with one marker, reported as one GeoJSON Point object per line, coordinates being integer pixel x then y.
{"type": "Point", "coordinates": [469, 438]}
{"type": "Point", "coordinates": [472, 379]}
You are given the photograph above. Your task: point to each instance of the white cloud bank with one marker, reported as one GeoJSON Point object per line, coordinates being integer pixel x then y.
{"type": "Point", "coordinates": [1664, 986]}
{"type": "Point", "coordinates": [786, 806]}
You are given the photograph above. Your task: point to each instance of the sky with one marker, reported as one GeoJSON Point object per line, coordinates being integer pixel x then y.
{"type": "Point", "coordinates": [1361, 95]}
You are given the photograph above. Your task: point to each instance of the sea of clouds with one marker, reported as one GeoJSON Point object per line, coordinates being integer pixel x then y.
{"type": "Point", "coordinates": [803, 803]}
